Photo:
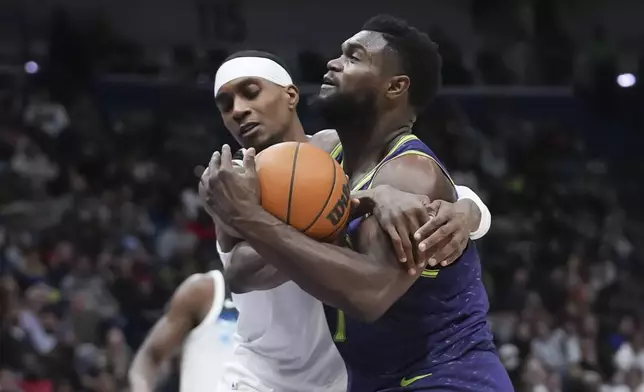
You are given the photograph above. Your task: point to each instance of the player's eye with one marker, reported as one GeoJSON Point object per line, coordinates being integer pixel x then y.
{"type": "Point", "coordinates": [353, 57]}
{"type": "Point", "coordinates": [251, 92]}
{"type": "Point", "coordinates": [224, 103]}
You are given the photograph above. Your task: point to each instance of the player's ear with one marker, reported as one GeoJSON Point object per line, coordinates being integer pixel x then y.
{"type": "Point", "coordinates": [293, 96]}
{"type": "Point", "coordinates": [398, 85]}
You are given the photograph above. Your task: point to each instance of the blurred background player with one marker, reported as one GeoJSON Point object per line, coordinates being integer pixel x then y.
{"type": "Point", "coordinates": [200, 324]}
{"type": "Point", "coordinates": [281, 348]}
{"type": "Point", "coordinates": [395, 331]}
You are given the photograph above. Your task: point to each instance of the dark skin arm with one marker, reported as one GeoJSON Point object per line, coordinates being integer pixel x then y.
{"type": "Point", "coordinates": [245, 271]}
{"type": "Point", "coordinates": [417, 225]}
{"type": "Point", "coordinates": [248, 271]}
{"type": "Point", "coordinates": [186, 310]}
{"type": "Point", "coordinates": [364, 283]}
{"type": "Point", "coordinates": [445, 224]}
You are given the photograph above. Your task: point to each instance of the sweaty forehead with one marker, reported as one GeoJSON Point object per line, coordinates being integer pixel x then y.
{"type": "Point", "coordinates": [372, 41]}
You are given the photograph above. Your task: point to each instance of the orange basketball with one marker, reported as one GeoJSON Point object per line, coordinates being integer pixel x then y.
{"type": "Point", "coordinates": [305, 188]}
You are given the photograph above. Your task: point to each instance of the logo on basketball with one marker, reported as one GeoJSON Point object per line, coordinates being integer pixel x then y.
{"type": "Point", "coordinates": [336, 214]}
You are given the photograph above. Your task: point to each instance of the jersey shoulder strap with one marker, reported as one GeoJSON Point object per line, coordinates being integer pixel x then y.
{"type": "Point", "coordinates": [367, 178]}
{"type": "Point", "coordinates": [337, 150]}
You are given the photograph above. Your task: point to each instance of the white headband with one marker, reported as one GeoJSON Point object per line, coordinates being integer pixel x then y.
{"type": "Point", "coordinates": [244, 67]}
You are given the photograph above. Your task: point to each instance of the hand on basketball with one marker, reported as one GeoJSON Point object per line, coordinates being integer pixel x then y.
{"type": "Point", "coordinates": [400, 214]}
{"type": "Point", "coordinates": [227, 191]}
{"type": "Point", "coordinates": [446, 234]}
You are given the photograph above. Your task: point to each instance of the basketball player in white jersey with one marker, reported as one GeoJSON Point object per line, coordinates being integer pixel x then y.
{"type": "Point", "coordinates": [284, 341]}
{"type": "Point", "coordinates": [195, 323]}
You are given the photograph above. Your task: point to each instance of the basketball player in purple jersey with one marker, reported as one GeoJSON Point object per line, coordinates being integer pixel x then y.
{"type": "Point", "coordinates": [395, 331]}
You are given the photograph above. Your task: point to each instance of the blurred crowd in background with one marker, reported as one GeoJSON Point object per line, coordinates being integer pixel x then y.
{"type": "Point", "coordinates": [99, 219]}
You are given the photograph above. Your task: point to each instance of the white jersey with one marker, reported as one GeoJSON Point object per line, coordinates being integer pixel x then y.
{"type": "Point", "coordinates": [209, 345]}
{"type": "Point", "coordinates": [284, 344]}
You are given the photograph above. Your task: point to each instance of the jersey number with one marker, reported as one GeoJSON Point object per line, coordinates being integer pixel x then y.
{"type": "Point", "coordinates": [341, 329]}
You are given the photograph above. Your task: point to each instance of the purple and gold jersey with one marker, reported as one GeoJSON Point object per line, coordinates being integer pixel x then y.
{"type": "Point", "coordinates": [439, 320]}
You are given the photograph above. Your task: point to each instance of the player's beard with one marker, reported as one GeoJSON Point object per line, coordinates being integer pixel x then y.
{"type": "Point", "coordinates": [342, 109]}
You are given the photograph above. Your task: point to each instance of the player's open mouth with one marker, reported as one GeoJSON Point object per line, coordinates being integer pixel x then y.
{"type": "Point", "coordinates": [327, 81]}
{"type": "Point", "coordinates": [247, 128]}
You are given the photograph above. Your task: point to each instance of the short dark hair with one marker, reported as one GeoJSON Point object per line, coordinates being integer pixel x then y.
{"type": "Point", "coordinates": [418, 54]}
{"type": "Point", "coordinates": [259, 53]}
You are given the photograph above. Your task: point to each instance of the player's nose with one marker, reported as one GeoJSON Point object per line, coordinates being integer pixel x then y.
{"type": "Point", "coordinates": [240, 111]}
{"type": "Point", "coordinates": [334, 65]}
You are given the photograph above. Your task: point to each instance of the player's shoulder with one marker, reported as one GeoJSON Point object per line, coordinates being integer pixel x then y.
{"type": "Point", "coordinates": [414, 173]}
{"type": "Point", "coordinates": [325, 139]}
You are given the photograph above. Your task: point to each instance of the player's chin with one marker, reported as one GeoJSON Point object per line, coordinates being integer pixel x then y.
{"type": "Point", "coordinates": [258, 141]}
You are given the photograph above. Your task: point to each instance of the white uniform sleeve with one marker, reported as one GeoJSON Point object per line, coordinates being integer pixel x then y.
{"type": "Point", "coordinates": [486, 218]}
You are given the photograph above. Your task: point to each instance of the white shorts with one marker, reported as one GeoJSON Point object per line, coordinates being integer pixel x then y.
{"type": "Point", "coordinates": [236, 378]}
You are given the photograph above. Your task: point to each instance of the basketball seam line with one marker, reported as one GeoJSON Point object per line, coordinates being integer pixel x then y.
{"type": "Point", "coordinates": [290, 191]}
{"type": "Point", "coordinates": [328, 198]}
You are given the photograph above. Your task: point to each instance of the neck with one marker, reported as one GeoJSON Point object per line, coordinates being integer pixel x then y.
{"type": "Point", "coordinates": [363, 147]}
{"type": "Point", "coordinates": [295, 132]}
